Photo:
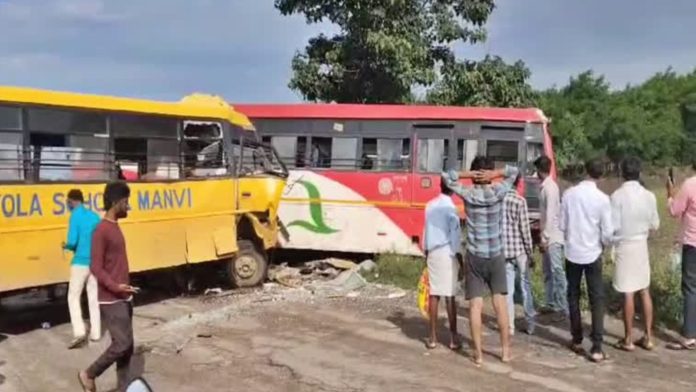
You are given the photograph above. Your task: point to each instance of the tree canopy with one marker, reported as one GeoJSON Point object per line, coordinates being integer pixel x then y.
{"type": "Point", "coordinates": [385, 50]}
{"type": "Point", "coordinates": [645, 120]}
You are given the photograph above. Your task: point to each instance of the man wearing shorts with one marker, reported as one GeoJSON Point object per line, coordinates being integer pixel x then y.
{"type": "Point", "coordinates": [485, 261]}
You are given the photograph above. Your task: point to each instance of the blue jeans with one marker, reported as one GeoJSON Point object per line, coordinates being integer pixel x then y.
{"type": "Point", "coordinates": [513, 266]}
{"type": "Point", "coordinates": [555, 282]}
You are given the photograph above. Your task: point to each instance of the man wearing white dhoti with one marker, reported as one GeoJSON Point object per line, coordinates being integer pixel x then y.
{"type": "Point", "coordinates": [442, 243]}
{"type": "Point", "coordinates": [634, 216]}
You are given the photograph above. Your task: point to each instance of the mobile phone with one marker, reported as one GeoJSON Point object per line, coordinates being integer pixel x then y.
{"type": "Point", "coordinates": [670, 173]}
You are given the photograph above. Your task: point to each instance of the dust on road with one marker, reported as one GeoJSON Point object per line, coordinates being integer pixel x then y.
{"type": "Point", "coordinates": [282, 339]}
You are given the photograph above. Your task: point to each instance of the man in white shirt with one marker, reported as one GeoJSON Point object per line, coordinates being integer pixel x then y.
{"type": "Point", "coordinates": [551, 241]}
{"type": "Point", "coordinates": [587, 226]}
{"type": "Point", "coordinates": [634, 213]}
{"type": "Point", "coordinates": [442, 240]}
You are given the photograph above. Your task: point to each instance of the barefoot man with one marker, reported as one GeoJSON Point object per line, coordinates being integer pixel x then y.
{"type": "Point", "coordinates": [442, 238]}
{"type": "Point", "coordinates": [110, 267]}
{"type": "Point", "coordinates": [485, 261]}
{"type": "Point", "coordinates": [634, 214]}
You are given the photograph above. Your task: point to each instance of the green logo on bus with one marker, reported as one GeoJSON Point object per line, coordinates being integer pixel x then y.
{"type": "Point", "coordinates": [317, 225]}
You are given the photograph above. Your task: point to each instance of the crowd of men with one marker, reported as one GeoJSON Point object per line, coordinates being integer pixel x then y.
{"type": "Point", "coordinates": [577, 230]}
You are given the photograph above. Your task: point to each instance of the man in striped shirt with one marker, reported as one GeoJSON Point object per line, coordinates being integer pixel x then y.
{"type": "Point", "coordinates": [517, 245]}
{"type": "Point", "coordinates": [485, 261]}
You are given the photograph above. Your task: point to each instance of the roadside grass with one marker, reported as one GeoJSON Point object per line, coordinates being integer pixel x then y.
{"type": "Point", "coordinates": [405, 271]}
{"type": "Point", "coordinates": [397, 270]}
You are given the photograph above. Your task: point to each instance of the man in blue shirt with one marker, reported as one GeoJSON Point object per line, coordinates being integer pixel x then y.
{"type": "Point", "coordinates": [485, 260]}
{"type": "Point", "coordinates": [80, 229]}
{"type": "Point", "coordinates": [442, 243]}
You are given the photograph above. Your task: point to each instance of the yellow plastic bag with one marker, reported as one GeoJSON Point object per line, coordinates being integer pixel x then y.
{"type": "Point", "coordinates": [424, 294]}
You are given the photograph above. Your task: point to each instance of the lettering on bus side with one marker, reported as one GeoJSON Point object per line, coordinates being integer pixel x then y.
{"type": "Point", "coordinates": [15, 205]}
{"type": "Point", "coordinates": [164, 199]}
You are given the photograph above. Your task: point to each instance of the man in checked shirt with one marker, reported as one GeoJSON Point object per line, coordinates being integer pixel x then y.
{"type": "Point", "coordinates": [517, 245]}
{"type": "Point", "coordinates": [485, 260]}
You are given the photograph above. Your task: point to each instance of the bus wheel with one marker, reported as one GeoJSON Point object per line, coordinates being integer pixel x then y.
{"type": "Point", "coordinates": [248, 267]}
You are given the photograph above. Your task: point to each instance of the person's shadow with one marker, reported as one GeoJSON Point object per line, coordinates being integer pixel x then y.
{"type": "Point", "coordinates": [416, 328]}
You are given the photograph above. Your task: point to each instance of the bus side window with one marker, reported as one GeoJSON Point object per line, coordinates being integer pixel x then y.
{"type": "Point", "coordinates": [202, 149]}
{"type": "Point", "coordinates": [68, 145]}
{"type": "Point", "coordinates": [11, 146]}
{"type": "Point", "coordinates": [432, 155]}
{"type": "Point", "coordinates": [344, 153]}
{"type": "Point", "coordinates": [503, 152]}
{"type": "Point", "coordinates": [146, 147]}
{"type": "Point", "coordinates": [386, 154]}
{"type": "Point", "coordinates": [466, 152]}
{"type": "Point", "coordinates": [320, 153]}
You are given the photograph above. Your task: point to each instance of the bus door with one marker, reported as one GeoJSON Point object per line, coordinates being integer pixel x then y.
{"type": "Point", "coordinates": [433, 155]}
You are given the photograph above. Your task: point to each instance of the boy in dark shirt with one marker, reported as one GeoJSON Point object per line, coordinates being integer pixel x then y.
{"type": "Point", "coordinates": [110, 267]}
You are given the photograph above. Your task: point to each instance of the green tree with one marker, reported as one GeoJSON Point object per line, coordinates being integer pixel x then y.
{"type": "Point", "coordinates": [489, 82]}
{"type": "Point", "coordinates": [384, 48]}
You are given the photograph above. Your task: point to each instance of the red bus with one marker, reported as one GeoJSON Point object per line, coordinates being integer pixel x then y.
{"type": "Point", "coordinates": [360, 175]}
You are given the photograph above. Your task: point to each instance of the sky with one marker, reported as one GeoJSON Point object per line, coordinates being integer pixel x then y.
{"type": "Point", "coordinates": [241, 49]}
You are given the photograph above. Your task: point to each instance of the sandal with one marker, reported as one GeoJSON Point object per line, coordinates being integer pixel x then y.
{"type": "Point", "coordinates": [478, 362]}
{"type": "Point", "coordinates": [646, 344]}
{"type": "Point", "coordinates": [598, 357]}
{"type": "Point", "coordinates": [430, 345]}
{"type": "Point", "coordinates": [683, 345]}
{"type": "Point", "coordinates": [625, 346]}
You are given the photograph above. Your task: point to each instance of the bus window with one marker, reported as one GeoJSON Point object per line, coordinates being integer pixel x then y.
{"type": "Point", "coordinates": [10, 118]}
{"type": "Point", "coordinates": [344, 152]}
{"type": "Point", "coordinates": [202, 148]}
{"type": "Point", "coordinates": [11, 146]}
{"type": "Point", "coordinates": [385, 154]}
{"type": "Point", "coordinates": [11, 162]}
{"type": "Point", "coordinates": [503, 152]}
{"type": "Point", "coordinates": [466, 152]}
{"type": "Point", "coordinates": [68, 145]}
{"type": "Point", "coordinates": [432, 155]}
{"type": "Point", "coordinates": [291, 150]}
{"type": "Point", "coordinates": [534, 151]}
{"type": "Point", "coordinates": [286, 146]}
{"type": "Point", "coordinates": [146, 147]}
{"type": "Point", "coordinates": [320, 154]}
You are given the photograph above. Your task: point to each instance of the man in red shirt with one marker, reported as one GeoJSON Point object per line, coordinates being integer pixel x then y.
{"type": "Point", "coordinates": [110, 267]}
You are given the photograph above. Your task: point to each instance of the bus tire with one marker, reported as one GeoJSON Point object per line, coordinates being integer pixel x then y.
{"type": "Point", "coordinates": [249, 267]}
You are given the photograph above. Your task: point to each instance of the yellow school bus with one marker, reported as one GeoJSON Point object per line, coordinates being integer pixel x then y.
{"type": "Point", "coordinates": [203, 188]}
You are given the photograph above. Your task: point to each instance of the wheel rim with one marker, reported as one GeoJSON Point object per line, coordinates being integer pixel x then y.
{"type": "Point", "coordinates": [245, 267]}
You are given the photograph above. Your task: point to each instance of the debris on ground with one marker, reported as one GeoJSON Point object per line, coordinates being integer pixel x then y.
{"type": "Point", "coordinates": [367, 266]}
{"type": "Point", "coordinates": [286, 276]}
{"type": "Point", "coordinates": [341, 263]}
{"type": "Point", "coordinates": [214, 291]}
{"type": "Point", "coordinates": [342, 285]}
{"type": "Point", "coordinates": [396, 294]}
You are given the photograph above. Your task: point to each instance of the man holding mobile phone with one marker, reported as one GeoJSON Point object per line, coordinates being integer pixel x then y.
{"type": "Point", "coordinates": [681, 205]}
{"type": "Point", "coordinates": [110, 267]}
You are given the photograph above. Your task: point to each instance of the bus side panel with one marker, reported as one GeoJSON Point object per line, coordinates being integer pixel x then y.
{"type": "Point", "coordinates": [335, 211]}
{"type": "Point", "coordinates": [28, 261]}
{"type": "Point", "coordinates": [209, 238]}
{"type": "Point", "coordinates": [34, 219]}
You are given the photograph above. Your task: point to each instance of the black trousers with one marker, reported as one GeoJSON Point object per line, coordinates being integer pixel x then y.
{"type": "Point", "coordinates": [689, 291]}
{"type": "Point", "coordinates": [118, 320]}
{"type": "Point", "coordinates": [595, 291]}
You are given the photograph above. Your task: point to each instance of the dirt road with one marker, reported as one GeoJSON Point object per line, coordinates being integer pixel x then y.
{"type": "Point", "coordinates": [291, 340]}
